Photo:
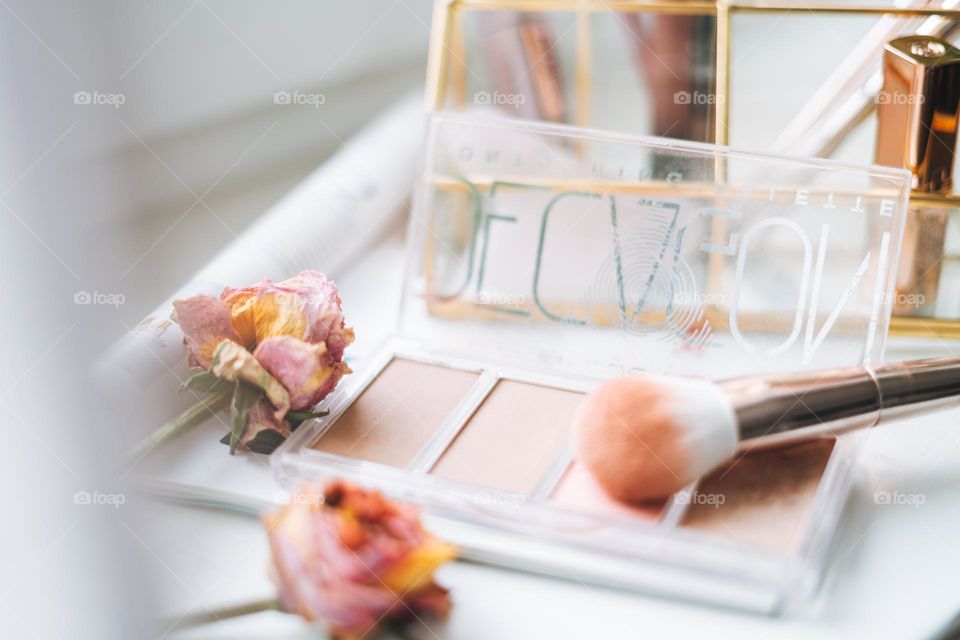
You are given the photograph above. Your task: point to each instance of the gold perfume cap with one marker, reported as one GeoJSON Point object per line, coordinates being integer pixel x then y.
{"type": "Point", "coordinates": [917, 110]}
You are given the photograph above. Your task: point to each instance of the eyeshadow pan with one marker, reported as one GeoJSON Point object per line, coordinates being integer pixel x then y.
{"type": "Point", "coordinates": [766, 496]}
{"type": "Point", "coordinates": [512, 439]}
{"type": "Point", "coordinates": [577, 489]}
{"type": "Point", "coordinates": [398, 413]}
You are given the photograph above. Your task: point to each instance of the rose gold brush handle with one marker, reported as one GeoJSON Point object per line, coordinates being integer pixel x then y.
{"type": "Point", "coordinates": [776, 409]}
{"type": "Point", "coordinates": [917, 385]}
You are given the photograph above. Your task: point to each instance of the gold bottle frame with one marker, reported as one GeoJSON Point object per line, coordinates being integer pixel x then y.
{"type": "Point", "coordinates": [446, 73]}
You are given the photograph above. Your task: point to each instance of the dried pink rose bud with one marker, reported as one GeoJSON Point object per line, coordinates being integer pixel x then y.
{"type": "Point", "coordinates": [353, 559]}
{"type": "Point", "coordinates": [287, 338]}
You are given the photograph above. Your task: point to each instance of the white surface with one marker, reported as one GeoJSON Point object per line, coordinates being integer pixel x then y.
{"type": "Point", "coordinates": [892, 569]}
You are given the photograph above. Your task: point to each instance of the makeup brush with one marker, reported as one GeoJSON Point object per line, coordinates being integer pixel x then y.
{"type": "Point", "coordinates": [648, 436]}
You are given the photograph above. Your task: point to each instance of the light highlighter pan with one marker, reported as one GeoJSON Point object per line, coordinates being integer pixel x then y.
{"type": "Point", "coordinates": [512, 439]}
{"type": "Point", "coordinates": [398, 413]}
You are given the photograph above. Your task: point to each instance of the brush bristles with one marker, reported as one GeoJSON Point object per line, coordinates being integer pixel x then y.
{"type": "Point", "coordinates": [645, 437]}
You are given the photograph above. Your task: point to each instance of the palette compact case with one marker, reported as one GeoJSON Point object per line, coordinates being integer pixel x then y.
{"type": "Point", "coordinates": [544, 259]}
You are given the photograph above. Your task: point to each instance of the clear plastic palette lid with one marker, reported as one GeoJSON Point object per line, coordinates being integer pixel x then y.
{"type": "Point", "coordinates": [596, 253]}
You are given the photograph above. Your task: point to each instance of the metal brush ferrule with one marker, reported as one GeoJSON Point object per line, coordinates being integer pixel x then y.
{"type": "Point", "coordinates": [780, 408]}
{"type": "Point", "coordinates": [918, 385]}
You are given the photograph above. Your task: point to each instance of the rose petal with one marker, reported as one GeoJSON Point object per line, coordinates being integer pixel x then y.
{"type": "Point", "coordinates": [306, 307]}
{"type": "Point", "coordinates": [307, 371]}
{"type": "Point", "coordinates": [232, 362]}
{"type": "Point", "coordinates": [205, 322]}
{"type": "Point", "coordinates": [414, 571]}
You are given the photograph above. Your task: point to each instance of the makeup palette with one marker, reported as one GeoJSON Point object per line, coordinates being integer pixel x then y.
{"type": "Point", "coordinates": [544, 259]}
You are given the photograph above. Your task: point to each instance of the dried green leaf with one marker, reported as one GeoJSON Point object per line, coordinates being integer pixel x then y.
{"type": "Point", "coordinates": [299, 416]}
{"type": "Point", "coordinates": [266, 441]}
{"type": "Point", "coordinates": [244, 397]}
{"type": "Point", "coordinates": [203, 382]}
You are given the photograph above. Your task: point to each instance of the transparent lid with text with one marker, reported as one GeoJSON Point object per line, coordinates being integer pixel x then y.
{"type": "Point", "coordinates": [595, 253]}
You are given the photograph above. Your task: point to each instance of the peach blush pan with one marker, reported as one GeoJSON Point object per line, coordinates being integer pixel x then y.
{"type": "Point", "coordinates": [398, 413]}
{"type": "Point", "coordinates": [512, 439]}
{"type": "Point", "coordinates": [762, 499]}
{"type": "Point", "coordinates": [578, 490]}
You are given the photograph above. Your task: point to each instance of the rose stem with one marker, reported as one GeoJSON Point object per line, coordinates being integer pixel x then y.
{"type": "Point", "coordinates": [209, 616]}
{"type": "Point", "coordinates": [210, 403]}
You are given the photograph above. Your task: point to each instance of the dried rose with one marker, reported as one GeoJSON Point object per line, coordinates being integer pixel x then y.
{"type": "Point", "coordinates": [286, 338]}
{"type": "Point", "coordinates": [353, 559]}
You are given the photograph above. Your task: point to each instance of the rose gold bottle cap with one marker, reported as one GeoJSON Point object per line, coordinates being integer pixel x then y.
{"type": "Point", "coordinates": [917, 110]}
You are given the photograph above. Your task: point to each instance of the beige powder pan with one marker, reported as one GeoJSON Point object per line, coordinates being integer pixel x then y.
{"type": "Point", "coordinates": [398, 412]}
{"type": "Point", "coordinates": [512, 439]}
